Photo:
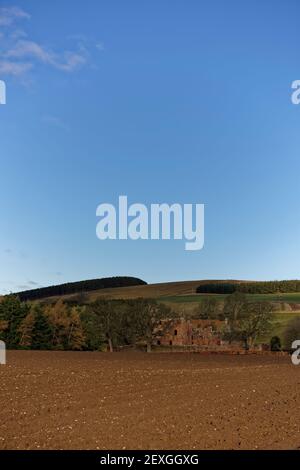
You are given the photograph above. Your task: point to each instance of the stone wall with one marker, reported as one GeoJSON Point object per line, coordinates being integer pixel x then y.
{"type": "Point", "coordinates": [194, 335]}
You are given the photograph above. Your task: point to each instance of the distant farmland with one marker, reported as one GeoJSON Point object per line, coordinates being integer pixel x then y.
{"type": "Point", "coordinates": [155, 291]}
{"type": "Point", "coordinates": [177, 292]}
{"type": "Point", "coordinates": [182, 297]}
{"type": "Point", "coordinates": [288, 297]}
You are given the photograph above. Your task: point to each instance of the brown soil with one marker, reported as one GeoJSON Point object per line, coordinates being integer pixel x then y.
{"type": "Point", "coordinates": [70, 400]}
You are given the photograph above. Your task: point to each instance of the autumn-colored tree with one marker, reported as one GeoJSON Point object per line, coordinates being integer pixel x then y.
{"type": "Point", "coordinates": [76, 337]}
{"type": "Point", "coordinates": [25, 330]}
{"type": "Point", "coordinates": [58, 317]}
{"type": "Point", "coordinates": [67, 329]}
{"type": "Point", "coordinates": [3, 327]}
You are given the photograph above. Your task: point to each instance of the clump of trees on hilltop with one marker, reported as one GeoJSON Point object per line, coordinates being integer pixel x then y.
{"type": "Point", "coordinates": [104, 324]}
{"type": "Point", "coordinates": [79, 287]}
{"type": "Point", "coordinates": [255, 287]}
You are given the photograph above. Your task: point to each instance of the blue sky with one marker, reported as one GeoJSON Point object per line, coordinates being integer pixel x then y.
{"type": "Point", "coordinates": [163, 101]}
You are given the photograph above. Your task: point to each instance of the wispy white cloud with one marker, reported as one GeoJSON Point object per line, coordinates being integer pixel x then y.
{"type": "Point", "coordinates": [17, 34]}
{"type": "Point", "coordinates": [67, 61]}
{"type": "Point", "coordinates": [72, 60]}
{"type": "Point", "coordinates": [8, 15]}
{"type": "Point", "coordinates": [19, 54]}
{"type": "Point", "coordinates": [14, 68]}
{"type": "Point", "coordinates": [28, 49]}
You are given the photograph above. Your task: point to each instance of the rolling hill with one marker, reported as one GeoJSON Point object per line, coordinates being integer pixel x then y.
{"type": "Point", "coordinates": [166, 290]}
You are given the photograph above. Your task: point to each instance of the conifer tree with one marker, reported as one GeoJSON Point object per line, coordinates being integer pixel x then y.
{"type": "Point", "coordinates": [12, 313]}
{"type": "Point", "coordinates": [41, 331]}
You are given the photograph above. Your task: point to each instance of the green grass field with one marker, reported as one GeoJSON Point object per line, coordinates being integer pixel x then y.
{"type": "Point", "coordinates": [280, 322]}
{"type": "Point", "coordinates": [187, 303]}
